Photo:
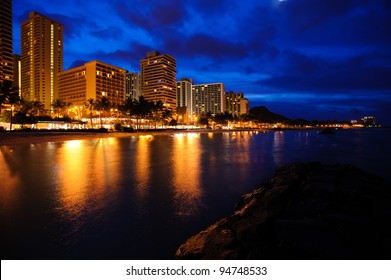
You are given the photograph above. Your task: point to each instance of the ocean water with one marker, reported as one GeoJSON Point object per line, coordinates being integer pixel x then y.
{"type": "Point", "coordinates": [141, 197]}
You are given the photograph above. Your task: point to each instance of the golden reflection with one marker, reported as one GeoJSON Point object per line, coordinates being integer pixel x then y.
{"type": "Point", "coordinates": [143, 166]}
{"type": "Point", "coordinates": [278, 142]}
{"type": "Point", "coordinates": [146, 137]}
{"type": "Point", "coordinates": [72, 175]}
{"type": "Point", "coordinates": [210, 135]}
{"type": "Point", "coordinates": [243, 147]}
{"type": "Point", "coordinates": [186, 174]}
{"type": "Point", "coordinates": [106, 162]}
{"type": "Point", "coordinates": [86, 173]}
{"type": "Point", "coordinates": [9, 178]}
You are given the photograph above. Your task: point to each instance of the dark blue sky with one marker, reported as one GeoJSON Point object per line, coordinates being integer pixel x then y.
{"type": "Point", "coordinates": [312, 59]}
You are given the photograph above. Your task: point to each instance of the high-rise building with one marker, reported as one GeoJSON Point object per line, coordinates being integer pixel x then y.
{"type": "Point", "coordinates": [94, 80]}
{"type": "Point", "coordinates": [207, 98]}
{"type": "Point", "coordinates": [184, 92]}
{"type": "Point", "coordinates": [158, 78]}
{"type": "Point", "coordinates": [6, 51]}
{"type": "Point", "coordinates": [17, 74]}
{"type": "Point", "coordinates": [236, 104]}
{"type": "Point", "coordinates": [41, 57]}
{"type": "Point", "coordinates": [133, 85]}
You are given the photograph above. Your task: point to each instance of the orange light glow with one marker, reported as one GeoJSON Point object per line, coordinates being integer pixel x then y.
{"type": "Point", "coordinates": [186, 160]}
{"type": "Point", "coordinates": [9, 178]}
{"type": "Point", "coordinates": [143, 165]}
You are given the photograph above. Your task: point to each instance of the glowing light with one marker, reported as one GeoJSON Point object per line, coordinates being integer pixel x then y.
{"type": "Point", "coordinates": [9, 178]}
{"type": "Point", "coordinates": [148, 137]}
{"type": "Point", "coordinates": [186, 159]}
{"type": "Point", "coordinates": [143, 166]}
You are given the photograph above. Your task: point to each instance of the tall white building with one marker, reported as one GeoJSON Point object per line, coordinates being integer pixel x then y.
{"type": "Point", "coordinates": [194, 100]}
{"type": "Point", "coordinates": [207, 98]}
{"type": "Point", "coordinates": [133, 85]}
{"type": "Point", "coordinates": [184, 92]}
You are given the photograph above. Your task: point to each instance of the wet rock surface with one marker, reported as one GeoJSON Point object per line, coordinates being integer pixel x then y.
{"type": "Point", "coordinates": [306, 211]}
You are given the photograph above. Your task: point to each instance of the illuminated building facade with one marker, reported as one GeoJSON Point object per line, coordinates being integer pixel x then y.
{"type": "Point", "coordinates": [183, 92]}
{"type": "Point", "coordinates": [207, 98]}
{"type": "Point", "coordinates": [158, 78]}
{"type": "Point", "coordinates": [41, 58]}
{"type": "Point", "coordinates": [236, 104]}
{"type": "Point", "coordinates": [94, 80]}
{"type": "Point", "coordinates": [6, 51]}
{"type": "Point", "coordinates": [17, 73]}
{"type": "Point", "coordinates": [133, 85]}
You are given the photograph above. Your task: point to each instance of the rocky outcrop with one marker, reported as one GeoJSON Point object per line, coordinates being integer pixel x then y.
{"type": "Point", "coordinates": [306, 211]}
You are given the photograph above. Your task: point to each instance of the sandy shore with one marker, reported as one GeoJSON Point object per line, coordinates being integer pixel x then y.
{"type": "Point", "coordinates": [17, 138]}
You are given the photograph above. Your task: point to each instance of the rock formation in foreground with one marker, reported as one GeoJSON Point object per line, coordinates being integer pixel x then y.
{"type": "Point", "coordinates": [306, 211]}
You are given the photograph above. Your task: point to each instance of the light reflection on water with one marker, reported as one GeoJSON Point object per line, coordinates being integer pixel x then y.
{"type": "Point", "coordinates": [143, 166]}
{"type": "Point", "coordinates": [187, 169]}
{"type": "Point", "coordinates": [9, 179]}
{"type": "Point", "coordinates": [140, 197]}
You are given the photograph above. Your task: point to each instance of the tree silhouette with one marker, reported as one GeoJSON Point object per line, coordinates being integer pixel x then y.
{"type": "Point", "coordinates": [102, 105]}
{"type": "Point", "coordinates": [90, 105]}
{"type": "Point", "coordinates": [58, 105]}
{"type": "Point", "coordinates": [141, 109]}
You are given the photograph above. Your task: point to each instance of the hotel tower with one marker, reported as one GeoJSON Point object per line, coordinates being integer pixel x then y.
{"type": "Point", "coordinates": [94, 79]}
{"type": "Point", "coordinates": [207, 98]}
{"type": "Point", "coordinates": [41, 58]}
{"type": "Point", "coordinates": [158, 79]}
{"type": "Point", "coordinates": [6, 52]}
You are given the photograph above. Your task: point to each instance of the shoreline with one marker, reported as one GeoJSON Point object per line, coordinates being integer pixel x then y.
{"type": "Point", "coordinates": [16, 137]}
{"type": "Point", "coordinates": [8, 138]}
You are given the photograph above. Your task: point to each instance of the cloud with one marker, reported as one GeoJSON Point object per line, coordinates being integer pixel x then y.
{"type": "Point", "coordinates": [110, 33]}
{"type": "Point", "coordinates": [156, 15]}
{"type": "Point", "coordinates": [302, 72]}
{"type": "Point", "coordinates": [77, 63]}
{"type": "Point", "coordinates": [206, 45]}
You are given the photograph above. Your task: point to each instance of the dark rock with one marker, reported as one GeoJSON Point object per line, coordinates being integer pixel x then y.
{"type": "Point", "coordinates": [306, 211]}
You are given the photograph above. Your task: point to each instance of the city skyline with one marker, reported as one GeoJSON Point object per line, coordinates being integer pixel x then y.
{"type": "Point", "coordinates": [303, 59]}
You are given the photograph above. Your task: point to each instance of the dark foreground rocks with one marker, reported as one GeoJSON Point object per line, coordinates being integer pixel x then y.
{"type": "Point", "coordinates": [306, 211]}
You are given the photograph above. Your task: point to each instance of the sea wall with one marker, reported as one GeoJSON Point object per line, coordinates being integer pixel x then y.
{"type": "Point", "coordinates": [306, 211]}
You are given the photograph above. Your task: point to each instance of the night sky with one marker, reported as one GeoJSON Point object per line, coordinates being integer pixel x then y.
{"type": "Point", "coordinates": [312, 59]}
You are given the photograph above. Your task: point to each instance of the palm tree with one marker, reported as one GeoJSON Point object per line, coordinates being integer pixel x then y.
{"type": "Point", "coordinates": [58, 105]}
{"type": "Point", "coordinates": [67, 106]}
{"type": "Point", "coordinates": [155, 109]}
{"type": "Point", "coordinates": [3, 94]}
{"type": "Point", "coordinates": [37, 108]}
{"type": "Point", "coordinates": [90, 105]}
{"type": "Point", "coordinates": [8, 94]}
{"type": "Point", "coordinates": [166, 115]}
{"type": "Point", "coordinates": [12, 99]}
{"type": "Point", "coordinates": [128, 108]}
{"type": "Point", "coordinates": [102, 105]}
{"type": "Point", "coordinates": [6, 89]}
{"type": "Point", "coordinates": [141, 108]}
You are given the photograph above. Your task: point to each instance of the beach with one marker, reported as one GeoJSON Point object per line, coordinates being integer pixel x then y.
{"type": "Point", "coordinates": [30, 137]}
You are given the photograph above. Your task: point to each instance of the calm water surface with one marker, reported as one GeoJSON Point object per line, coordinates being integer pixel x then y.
{"type": "Point", "coordinates": [141, 197]}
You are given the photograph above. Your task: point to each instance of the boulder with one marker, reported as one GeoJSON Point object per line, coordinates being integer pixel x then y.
{"type": "Point", "coordinates": [306, 211]}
